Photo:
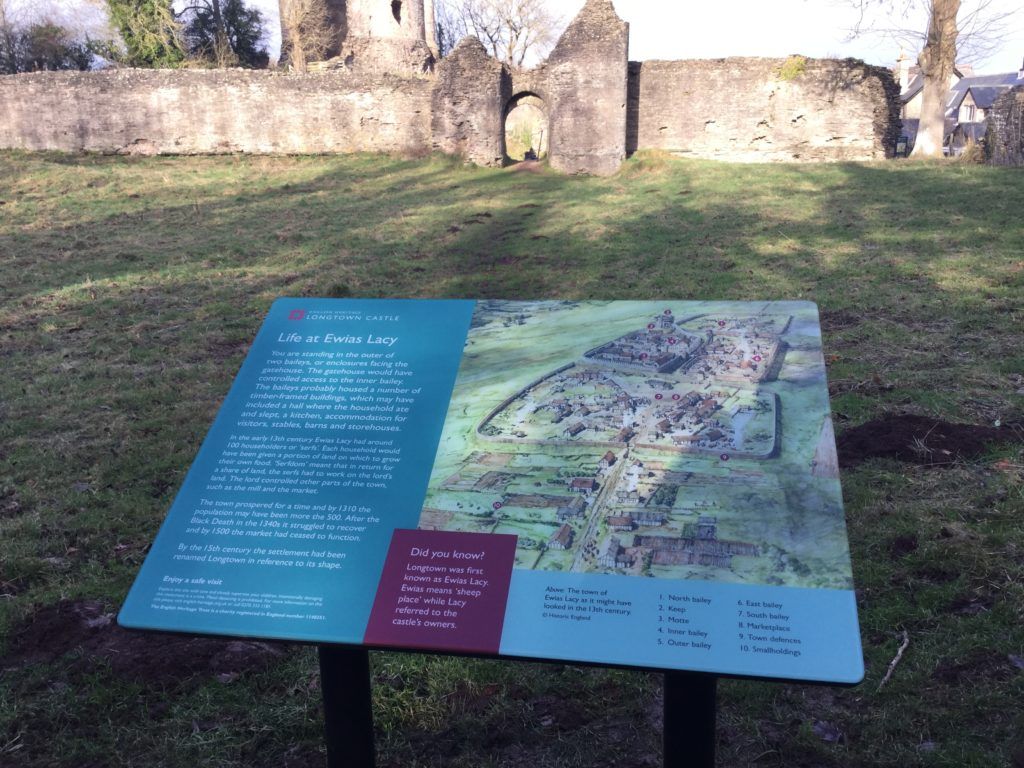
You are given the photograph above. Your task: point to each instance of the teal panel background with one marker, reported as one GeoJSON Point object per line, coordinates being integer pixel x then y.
{"type": "Point", "coordinates": [823, 620]}
{"type": "Point", "coordinates": [431, 338]}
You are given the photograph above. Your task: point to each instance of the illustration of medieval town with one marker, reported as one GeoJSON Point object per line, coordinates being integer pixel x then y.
{"type": "Point", "coordinates": [695, 442]}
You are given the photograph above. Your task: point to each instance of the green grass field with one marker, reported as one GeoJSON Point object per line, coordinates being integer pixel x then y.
{"type": "Point", "coordinates": [130, 289]}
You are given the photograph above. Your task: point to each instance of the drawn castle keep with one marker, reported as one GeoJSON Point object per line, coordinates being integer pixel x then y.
{"type": "Point", "coordinates": [384, 89]}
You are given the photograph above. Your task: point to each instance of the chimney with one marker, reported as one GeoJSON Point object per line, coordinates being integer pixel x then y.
{"type": "Point", "coordinates": [903, 64]}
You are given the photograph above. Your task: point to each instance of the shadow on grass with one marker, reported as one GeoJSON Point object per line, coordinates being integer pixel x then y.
{"type": "Point", "coordinates": [129, 290]}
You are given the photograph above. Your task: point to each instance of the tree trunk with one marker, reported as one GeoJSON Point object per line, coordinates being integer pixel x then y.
{"type": "Point", "coordinates": [222, 46]}
{"type": "Point", "coordinates": [284, 14]}
{"type": "Point", "coordinates": [937, 59]}
{"type": "Point", "coordinates": [297, 51]}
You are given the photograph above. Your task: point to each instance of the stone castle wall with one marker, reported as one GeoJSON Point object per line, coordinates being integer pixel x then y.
{"type": "Point", "coordinates": [600, 107]}
{"type": "Point", "coordinates": [1004, 143]}
{"type": "Point", "coordinates": [468, 104]}
{"type": "Point", "coordinates": [214, 111]}
{"type": "Point", "coordinates": [752, 109]}
{"type": "Point", "coordinates": [584, 82]}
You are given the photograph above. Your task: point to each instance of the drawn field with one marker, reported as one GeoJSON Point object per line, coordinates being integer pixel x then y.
{"type": "Point", "coordinates": [675, 440]}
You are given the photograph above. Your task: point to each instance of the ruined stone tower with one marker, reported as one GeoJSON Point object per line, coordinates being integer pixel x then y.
{"type": "Point", "coordinates": [389, 35]}
{"type": "Point", "coordinates": [397, 36]}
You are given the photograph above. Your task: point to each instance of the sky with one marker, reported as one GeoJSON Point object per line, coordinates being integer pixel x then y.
{"type": "Point", "coordinates": [816, 28]}
{"type": "Point", "coordinates": [692, 29]}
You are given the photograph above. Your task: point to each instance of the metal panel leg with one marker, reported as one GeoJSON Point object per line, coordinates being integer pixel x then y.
{"type": "Point", "coordinates": [348, 717]}
{"type": "Point", "coordinates": [689, 729]}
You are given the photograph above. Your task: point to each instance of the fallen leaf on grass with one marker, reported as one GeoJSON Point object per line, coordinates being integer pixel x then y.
{"type": "Point", "coordinates": [99, 621]}
{"type": "Point", "coordinates": [1017, 661]}
{"type": "Point", "coordinates": [826, 731]}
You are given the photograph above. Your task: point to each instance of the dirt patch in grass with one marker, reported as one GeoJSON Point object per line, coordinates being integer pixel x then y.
{"type": "Point", "coordinates": [903, 545]}
{"type": "Point", "coordinates": [936, 572]}
{"type": "Point", "coordinates": [918, 440]}
{"type": "Point", "coordinates": [10, 504]}
{"type": "Point", "coordinates": [976, 666]}
{"type": "Point", "coordinates": [527, 166]}
{"type": "Point", "coordinates": [221, 350]}
{"type": "Point", "coordinates": [971, 604]}
{"type": "Point", "coordinates": [89, 632]}
{"type": "Point", "coordinates": [836, 320]}
{"type": "Point", "coordinates": [562, 714]}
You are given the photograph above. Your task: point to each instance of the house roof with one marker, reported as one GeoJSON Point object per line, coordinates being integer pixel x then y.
{"type": "Point", "coordinates": [917, 81]}
{"type": "Point", "coordinates": [563, 535]}
{"type": "Point", "coordinates": [984, 88]}
{"type": "Point", "coordinates": [967, 80]}
{"type": "Point", "coordinates": [913, 88]}
{"type": "Point", "coordinates": [985, 95]}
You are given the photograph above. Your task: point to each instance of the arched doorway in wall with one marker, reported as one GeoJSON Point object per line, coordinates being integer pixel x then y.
{"type": "Point", "coordinates": [526, 127]}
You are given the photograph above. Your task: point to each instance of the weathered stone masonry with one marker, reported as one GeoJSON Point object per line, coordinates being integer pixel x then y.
{"type": "Point", "coordinates": [468, 102]}
{"type": "Point", "coordinates": [1005, 140]}
{"type": "Point", "coordinates": [585, 82]}
{"type": "Point", "coordinates": [600, 106]}
{"type": "Point", "coordinates": [753, 109]}
{"type": "Point", "coordinates": [214, 111]}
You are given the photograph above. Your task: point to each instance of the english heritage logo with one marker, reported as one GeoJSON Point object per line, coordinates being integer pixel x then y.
{"type": "Point", "coordinates": [296, 314]}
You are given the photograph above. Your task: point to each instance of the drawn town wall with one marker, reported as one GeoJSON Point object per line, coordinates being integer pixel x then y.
{"type": "Point", "coordinates": [511, 399]}
{"type": "Point", "coordinates": [386, 93]}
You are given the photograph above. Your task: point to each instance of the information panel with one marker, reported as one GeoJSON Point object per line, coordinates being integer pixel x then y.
{"type": "Point", "coordinates": [648, 484]}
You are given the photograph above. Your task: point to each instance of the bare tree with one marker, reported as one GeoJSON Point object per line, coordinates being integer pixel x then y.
{"type": "Point", "coordinates": [512, 30]}
{"type": "Point", "coordinates": [47, 35]}
{"type": "Point", "coordinates": [451, 25]}
{"type": "Point", "coordinates": [9, 39]}
{"type": "Point", "coordinates": [306, 30]}
{"type": "Point", "coordinates": [971, 29]}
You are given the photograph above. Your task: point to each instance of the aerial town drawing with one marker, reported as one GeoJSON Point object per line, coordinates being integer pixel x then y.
{"type": "Point", "coordinates": [686, 440]}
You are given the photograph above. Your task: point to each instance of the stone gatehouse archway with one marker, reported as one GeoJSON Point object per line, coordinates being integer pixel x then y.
{"type": "Point", "coordinates": [526, 127]}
